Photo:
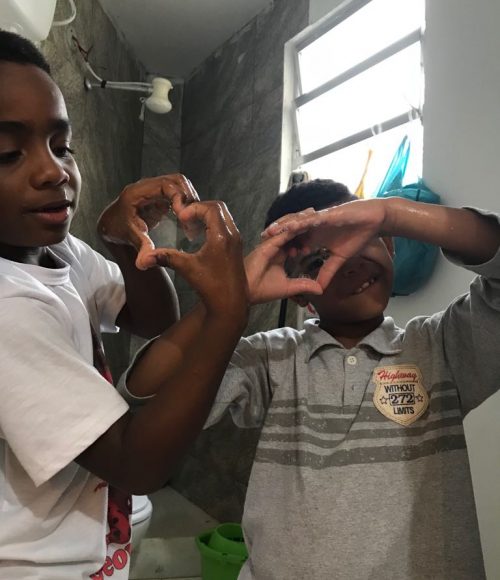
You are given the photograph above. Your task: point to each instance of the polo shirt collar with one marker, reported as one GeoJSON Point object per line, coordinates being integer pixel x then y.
{"type": "Point", "coordinates": [386, 339]}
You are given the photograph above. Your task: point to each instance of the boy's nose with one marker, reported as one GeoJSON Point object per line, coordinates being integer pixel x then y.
{"type": "Point", "coordinates": [49, 172]}
{"type": "Point", "coordinates": [352, 267]}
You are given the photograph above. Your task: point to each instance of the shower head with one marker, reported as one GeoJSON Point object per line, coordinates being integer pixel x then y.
{"type": "Point", "coordinates": [158, 100]}
{"type": "Point", "coordinates": [158, 89]}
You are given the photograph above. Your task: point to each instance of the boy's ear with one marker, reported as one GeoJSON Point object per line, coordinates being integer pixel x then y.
{"type": "Point", "coordinates": [300, 299]}
{"type": "Point", "coordinates": [389, 244]}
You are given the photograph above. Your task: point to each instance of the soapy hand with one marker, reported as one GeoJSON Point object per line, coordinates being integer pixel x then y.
{"type": "Point", "coordinates": [267, 279]}
{"type": "Point", "coordinates": [344, 230]}
{"type": "Point", "coordinates": [216, 270]}
{"type": "Point", "coordinates": [141, 206]}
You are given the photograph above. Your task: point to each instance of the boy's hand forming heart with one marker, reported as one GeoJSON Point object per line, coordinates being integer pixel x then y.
{"type": "Point", "coordinates": [345, 230]}
{"type": "Point", "coordinates": [141, 206]}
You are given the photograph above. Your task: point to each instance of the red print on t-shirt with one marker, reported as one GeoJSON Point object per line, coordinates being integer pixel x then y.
{"type": "Point", "coordinates": [119, 502]}
{"type": "Point", "coordinates": [119, 509]}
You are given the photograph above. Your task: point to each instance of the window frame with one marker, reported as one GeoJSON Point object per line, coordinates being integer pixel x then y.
{"type": "Point", "coordinates": [294, 97]}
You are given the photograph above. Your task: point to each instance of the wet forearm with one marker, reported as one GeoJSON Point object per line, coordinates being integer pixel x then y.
{"type": "Point", "coordinates": [473, 237]}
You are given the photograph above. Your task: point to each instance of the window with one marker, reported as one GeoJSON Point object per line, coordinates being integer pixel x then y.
{"type": "Point", "coordinates": [356, 89]}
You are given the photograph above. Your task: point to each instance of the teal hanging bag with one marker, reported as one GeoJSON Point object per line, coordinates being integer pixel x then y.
{"type": "Point", "coordinates": [414, 261]}
{"type": "Point", "coordinates": [395, 174]}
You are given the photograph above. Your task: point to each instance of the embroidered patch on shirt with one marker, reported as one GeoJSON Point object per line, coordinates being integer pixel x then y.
{"type": "Point", "coordinates": [399, 393]}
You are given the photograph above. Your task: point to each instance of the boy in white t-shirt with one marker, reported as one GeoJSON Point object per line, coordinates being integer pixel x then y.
{"type": "Point", "coordinates": [65, 432]}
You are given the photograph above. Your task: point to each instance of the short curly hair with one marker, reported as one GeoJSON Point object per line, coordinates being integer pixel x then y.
{"type": "Point", "coordinates": [17, 49]}
{"type": "Point", "coordinates": [318, 193]}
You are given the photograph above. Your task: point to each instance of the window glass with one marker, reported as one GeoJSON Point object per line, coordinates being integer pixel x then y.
{"type": "Point", "coordinates": [375, 26]}
{"type": "Point", "coordinates": [347, 165]}
{"type": "Point", "coordinates": [384, 91]}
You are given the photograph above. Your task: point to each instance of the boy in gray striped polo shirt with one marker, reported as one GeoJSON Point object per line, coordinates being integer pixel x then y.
{"type": "Point", "coordinates": [361, 470]}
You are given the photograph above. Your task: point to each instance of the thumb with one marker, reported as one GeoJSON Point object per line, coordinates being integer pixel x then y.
{"type": "Point", "coordinates": [166, 257]}
{"type": "Point", "coordinates": [303, 286]}
{"type": "Point", "coordinates": [138, 235]}
{"type": "Point", "coordinates": [329, 269]}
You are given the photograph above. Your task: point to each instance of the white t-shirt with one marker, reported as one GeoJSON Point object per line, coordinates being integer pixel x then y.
{"type": "Point", "coordinates": [53, 405]}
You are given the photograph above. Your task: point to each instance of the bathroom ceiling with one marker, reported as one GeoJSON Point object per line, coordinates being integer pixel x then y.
{"type": "Point", "coordinates": [172, 37]}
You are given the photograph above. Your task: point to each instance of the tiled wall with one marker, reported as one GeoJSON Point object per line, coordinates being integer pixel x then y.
{"type": "Point", "coordinates": [108, 135]}
{"type": "Point", "coordinates": [231, 146]}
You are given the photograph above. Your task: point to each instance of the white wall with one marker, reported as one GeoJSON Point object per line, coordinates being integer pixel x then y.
{"type": "Point", "coordinates": [461, 126]}
{"type": "Point", "coordinates": [462, 163]}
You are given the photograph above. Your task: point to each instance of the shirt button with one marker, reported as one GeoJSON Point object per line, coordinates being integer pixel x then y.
{"type": "Point", "coordinates": [351, 360]}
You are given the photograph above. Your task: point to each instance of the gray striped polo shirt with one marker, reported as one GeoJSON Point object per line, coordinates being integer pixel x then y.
{"type": "Point", "coordinates": [339, 490]}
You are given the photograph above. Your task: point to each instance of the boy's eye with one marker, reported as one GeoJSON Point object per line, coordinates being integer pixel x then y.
{"type": "Point", "coordinates": [9, 157]}
{"type": "Point", "coordinates": [63, 151]}
{"type": "Point", "coordinates": [314, 265]}
{"type": "Point", "coordinates": [305, 268]}
{"type": "Point", "coordinates": [310, 266]}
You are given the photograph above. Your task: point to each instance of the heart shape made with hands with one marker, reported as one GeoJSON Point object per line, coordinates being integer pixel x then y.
{"type": "Point", "coordinates": [141, 206]}
{"type": "Point", "coordinates": [216, 270]}
{"type": "Point", "coordinates": [344, 231]}
{"type": "Point", "coordinates": [153, 214]}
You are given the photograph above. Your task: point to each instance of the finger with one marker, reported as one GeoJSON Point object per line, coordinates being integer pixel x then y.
{"type": "Point", "coordinates": [182, 262]}
{"type": "Point", "coordinates": [179, 192]}
{"type": "Point", "coordinates": [283, 223]}
{"type": "Point", "coordinates": [194, 193]}
{"type": "Point", "coordinates": [214, 215]}
{"type": "Point", "coordinates": [329, 269]}
{"type": "Point", "coordinates": [138, 235]}
{"type": "Point", "coordinates": [184, 184]}
{"type": "Point", "coordinates": [166, 257]}
{"type": "Point", "coordinates": [190, 224]}
{"type": "Point", "coordinates": [283, 241]}
{"type": "Point", "coordinates": [142, 252]}
{"type": "Point", "coordinates": [297, 226]}
{"type": "Point", "coordinates": [163, 186]}
{"type": "Point", "coordinates": [304, 221]}
{"type": "Point", "coordinates": [295, 215]}
{"type": "Point", "coordinates": [303, 286]}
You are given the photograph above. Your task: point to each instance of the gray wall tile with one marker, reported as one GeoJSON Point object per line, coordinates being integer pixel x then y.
{"type": "Point", "coordinates": [221, 87]}
{"type": "Point", "coordinates": [275, 26]}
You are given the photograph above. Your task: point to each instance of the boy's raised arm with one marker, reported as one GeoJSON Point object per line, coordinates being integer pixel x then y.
{"type": "Point", "coordinates": [466, 233]}
{"type": "Point", "coordinates": [349, 227]}
{"type": "Point", "coordinates": [138, 451]}
{"type": "Point", "coordinates": [266, 281]}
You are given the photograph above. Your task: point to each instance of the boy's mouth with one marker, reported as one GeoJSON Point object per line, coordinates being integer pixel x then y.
{"type": "Point", "coordinates": [365, 285]}
{"type": "Point", "coordinates": [55, 206]}
{"type": "Point", "coordinates": [54, 213]}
